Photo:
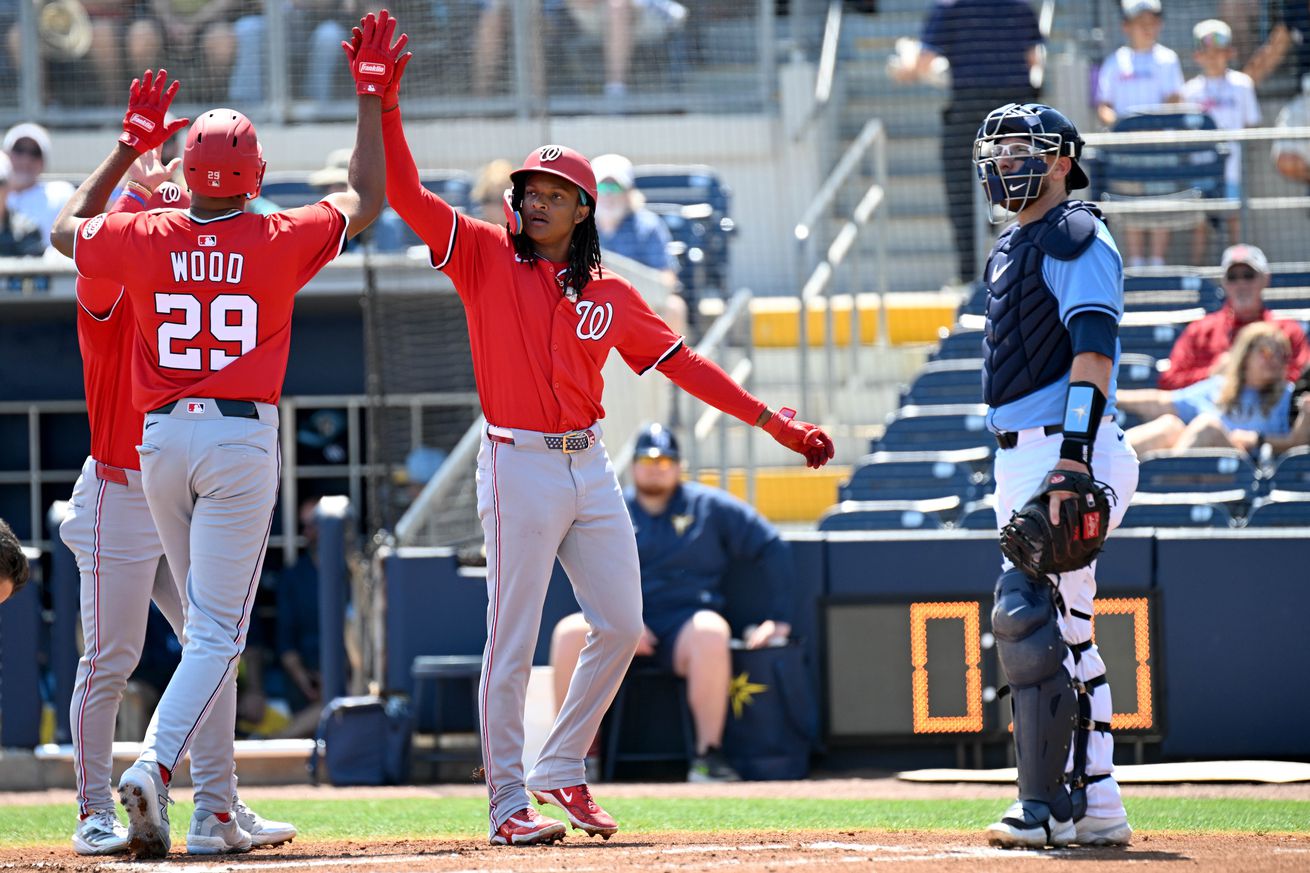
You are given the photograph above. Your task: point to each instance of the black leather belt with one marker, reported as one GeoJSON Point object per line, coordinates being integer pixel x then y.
{"type": "Point", "coordinates": [1010, 438]}
{"type": "Point", "coordinates": [229, 408]}
{"type": "Point", "coordinates": [575, 441]}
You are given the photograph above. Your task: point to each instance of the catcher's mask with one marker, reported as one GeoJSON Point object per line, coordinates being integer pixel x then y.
{"type": "Point", "coordinates": [1011, 149]}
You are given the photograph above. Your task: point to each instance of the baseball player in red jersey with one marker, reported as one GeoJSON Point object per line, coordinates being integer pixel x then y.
{"type": "Point", "coordinates": [109, 529]}
{"type": "Point", "coordinates": [543, 316]}
{"type": "Point", "coordinates": [211, 290]}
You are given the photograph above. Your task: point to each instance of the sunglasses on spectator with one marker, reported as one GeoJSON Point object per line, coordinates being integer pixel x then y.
{"type": "Point", "coordinates": [32, 151]}
{"type": "Point", "coordinates": [609, 188]}
{"type": "Point", "coordinates": [1240, 275]}
{"type": "Point", "coordinates": [659, 461]}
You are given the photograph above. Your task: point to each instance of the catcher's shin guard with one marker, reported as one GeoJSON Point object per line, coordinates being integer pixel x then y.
{"type": "Point", "coordinates": [1042, 695]}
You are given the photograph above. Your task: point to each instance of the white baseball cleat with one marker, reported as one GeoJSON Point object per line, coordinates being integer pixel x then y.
{"type": "Point", "coordinates": [144, 795]}
{"type": "Point", "coordinates": [1096, 831]}
{"type": "Point", "coordinates": [100, 833]}
{"type": "Point", "coordinates": [210, 835]}
{"type": "Point", "coordinates": [1018, 829]}
{"type": "Point", "coordinates": [263, 832]}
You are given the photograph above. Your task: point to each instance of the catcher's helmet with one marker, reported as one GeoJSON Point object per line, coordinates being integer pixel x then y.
{"type": "Point", "coordinates": [223, 157]}
{"type": "Point", "coordinates": [1029, 131]}
{"type": "Point", "coordinates": [656, 441]}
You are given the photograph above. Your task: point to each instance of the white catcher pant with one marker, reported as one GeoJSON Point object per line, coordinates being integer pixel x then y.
{"type": "Point", "coordinates": [1019, 473]}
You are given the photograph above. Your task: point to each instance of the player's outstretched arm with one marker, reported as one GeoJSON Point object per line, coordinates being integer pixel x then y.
{"type": "Point", "coordinates": [376, 63]}
{"type": "Point", "coordinates": [706, 380]}
{"type": "Point", "coordinates": [143, 130]}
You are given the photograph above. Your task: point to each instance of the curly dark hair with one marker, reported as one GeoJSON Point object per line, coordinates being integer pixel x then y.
{"type": "Point", "coordinates": [13, 563]}
{"type": "Point", "coordinates": [584, 249]}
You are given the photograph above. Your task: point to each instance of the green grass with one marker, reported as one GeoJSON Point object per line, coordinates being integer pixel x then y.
{"type": "Point", "coordinates": [404, 818]}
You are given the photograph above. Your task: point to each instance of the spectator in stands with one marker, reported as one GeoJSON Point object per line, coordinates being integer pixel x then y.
{"type": "Point", "coordinates": [80, 44]}
{"type": "Point", "coordinates": [195, 35]}
{"type": "Point", "coordinates": [13, 563]}
{"type": "Point", "coordinates": [314, 30]}
{"type": "Point", "coordinates": [491, 41]}
{"type": "Point", "coordinates": [621, 25]}
{"type": "Point", "coordinates": [626, 227]}
{"type": "Point", "coordinates": [31, 197]}
{"type": "Point", "coordinates": [985, 73]}
{"type": "Point", "coordinates": [1202, 349]}
{"type": "Point", "coordinates": [1292, 156]}
{"type": "Point", "coordinates": [1289, 32]}
{"type": "Point", "coordinates": [19, 235]}
{"type": "Point", "coordinates": [1136, 77]}
{"type": "Point", "coordinates": [1247, 404]}
{"type": "Point", "coordinates": [489, 190]}
{"type": "Point", "coordinates": [298, 629]}
{"type": "Point", "coordinates": [1228, 97]}
{"type": "Point", "coordinates": [688, 536]}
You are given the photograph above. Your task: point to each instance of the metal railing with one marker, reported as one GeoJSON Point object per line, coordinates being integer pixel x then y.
{"type": "Point", "coordinates": [827, 71]}
{"type": "Point", "coordinates": [872, 137]}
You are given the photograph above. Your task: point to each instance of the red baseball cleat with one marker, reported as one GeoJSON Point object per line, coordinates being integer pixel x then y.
{"type": "Point", "coordinates": [528, 827]}
{"type": "Point", "coordinates": [582, 811]}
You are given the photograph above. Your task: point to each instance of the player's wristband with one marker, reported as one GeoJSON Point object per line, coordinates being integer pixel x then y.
{"type": "Point", "coordinates": [141, 189]}
{"type": "Point", "coordinates": [1084, 405]}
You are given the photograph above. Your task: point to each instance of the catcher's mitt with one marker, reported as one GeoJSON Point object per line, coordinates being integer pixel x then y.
{"type": "Point", "coordinates": [1037, 547]}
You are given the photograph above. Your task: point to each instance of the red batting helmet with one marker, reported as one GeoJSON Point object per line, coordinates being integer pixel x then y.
{"type": "Point", "coordinates": [559, 161]}
{"type": "Point", "coordinates": [223, 157]}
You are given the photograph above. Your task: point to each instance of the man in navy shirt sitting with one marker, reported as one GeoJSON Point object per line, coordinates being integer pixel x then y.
{"type": "Point", "coordinates": [688, 536]}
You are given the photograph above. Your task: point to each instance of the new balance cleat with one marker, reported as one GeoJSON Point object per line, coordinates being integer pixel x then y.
{"type": "Point", "coordinates": [100, 833]}
{"type": "Point", "coordinates": [144, 795]}
{"type": "Point", "coordinates": [211, 835]}
{"type": "Point", "coordinates": [263, 832]}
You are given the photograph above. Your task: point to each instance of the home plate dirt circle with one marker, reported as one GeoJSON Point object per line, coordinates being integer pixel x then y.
{"type": "Point", "coordinates": [677, 852]}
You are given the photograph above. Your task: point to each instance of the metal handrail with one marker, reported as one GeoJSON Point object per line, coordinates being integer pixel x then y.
{"type": "Point", "coordinates": [872, 134]}
{"type": "Point", "coordinates": [823, 79]}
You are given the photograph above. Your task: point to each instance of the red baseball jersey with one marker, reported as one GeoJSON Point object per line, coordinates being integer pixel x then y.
{"type": "Point", "coordinates": [105, 334]}
{"type": "Point", "coordinates": [211, 298]}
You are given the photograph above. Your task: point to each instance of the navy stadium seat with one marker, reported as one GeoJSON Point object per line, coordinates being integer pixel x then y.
{"type": "Point", "coordinates": [959, 344]}
{"type": "Point", "coordinates": [685, 185]}
{"type": "Point", "coordinates": [916, 475]}
{"type": "Point", "coordinates": [979, 514]}
{"type": "Point", "coordinates": [699, 243]}
{"type": "Point", "coordinates": [936, 428]}
{"type": "Point", "coordinates": [1197, 470]}
{"type": "Point", "coordinates": [1137, 371]}
{"type": "Point", "coordinates": [1161, 169]}
{"type": "Point", "coordinates": [890, 514]}
{"type": "Point", "coordinates": [1280, 509]}
{"type": "Point", "coordinates": [289, 192]}
{"type": "Point", "coordinates": [954, 380]}
{"type": "Point", "coordinates": [1292, 470]}
{"type": "Point", "coordinates": [1183, 509]}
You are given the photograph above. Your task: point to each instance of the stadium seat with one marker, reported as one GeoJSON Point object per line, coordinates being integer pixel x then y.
{"type": "Point", "coordinates": [890, 514]}
{"type": "Point", "coordinates": [958, 344]}
{"type": "Point", "coordinates": [1183, 509]}
{"type": "Point", "coordinates": [954, 380]}
{"type": "Point", "coordinates": [1137, 371]}
{"type": "Point", "coordinates": [1198, 470]}
{"type": "Point", "coordinates": [1161, 170]}
{"type": "Point", "coordinates": [699, 243]}
{"type": "Point", "coordinates": [289, 190]}
{"type": "Point", "coordinates": [1155, 334]}
{"type": "Point", "coordinates": [1280, 509]}
{"type": "Point", "coordinates": [1292, 470]}
{"type": "Point", "coordinates": [936, 428]}
{"type": "Point", "coordinates": [978, 514]}
{"type": "Point", "coordinates": [685, 185]}
{"type": "Point", "coordinates": [916, 475]}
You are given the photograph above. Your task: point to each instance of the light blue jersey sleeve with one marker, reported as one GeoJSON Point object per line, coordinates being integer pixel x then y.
{"type": "Point", "coordinates": [1091, 282]}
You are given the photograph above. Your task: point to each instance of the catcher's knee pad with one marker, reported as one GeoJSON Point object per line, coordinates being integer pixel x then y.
{"type": "Point", "coordinates": [1028, 639]}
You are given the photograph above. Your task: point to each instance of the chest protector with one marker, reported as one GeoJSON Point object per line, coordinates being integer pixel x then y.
{"type": "Point", "coordinates": [1025, 345]}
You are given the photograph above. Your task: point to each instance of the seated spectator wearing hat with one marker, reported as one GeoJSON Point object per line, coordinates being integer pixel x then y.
{"type": "Point", "coordinates": [688, 536]}
{"type": "Point", "coordinates": [1245, 406]}
{"type": "Point", "coordinates": [19, 235]}
{"type": "Point", "coordinates": [626, 227]}
{"type": "Point", "coordinates": [489, 190]}
{"type": "Point", "coordinates": [387, 233]}
{"type": "Point", "coordinates": [1202, 349]}
{"type": "Point", "coordinates": [38, 200]}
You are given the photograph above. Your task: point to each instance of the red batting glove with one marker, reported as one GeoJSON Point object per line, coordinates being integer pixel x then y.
{"type": "Point", "coordinates": [801, 437]}
{"type": "Point", "coordinates": [143, 124]}
{"type": "Point", "coordinates": [374, 60]}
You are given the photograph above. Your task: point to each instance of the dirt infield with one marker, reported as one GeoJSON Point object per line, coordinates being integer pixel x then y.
{"type": "Point", "coordinates": [684, 853]}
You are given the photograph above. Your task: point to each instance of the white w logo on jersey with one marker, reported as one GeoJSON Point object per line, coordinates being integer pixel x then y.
{"type": "Point", "coordinates": [593, 320]}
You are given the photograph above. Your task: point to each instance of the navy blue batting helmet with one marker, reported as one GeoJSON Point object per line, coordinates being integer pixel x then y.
{"type": "Point", "coordinates": [657, 441]}
{"type": "Point", "coordinates": [1031, 131]}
